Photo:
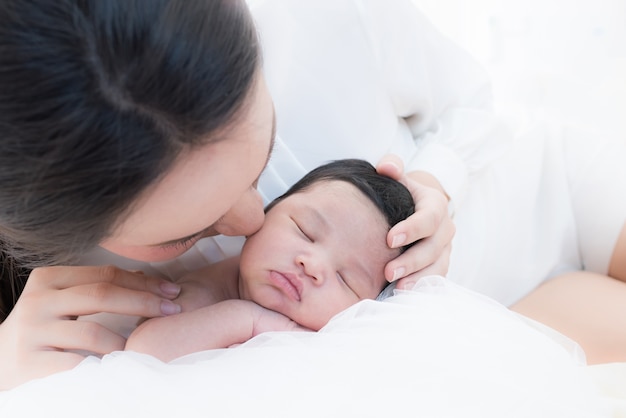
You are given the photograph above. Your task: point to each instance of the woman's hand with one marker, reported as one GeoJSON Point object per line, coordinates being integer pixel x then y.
{"type": "Point", "coordinates": [209, 285]}
{"type": "Point", "coordinates": [430, 225]}
{"type": "Point", "coordinates": [37, 336]}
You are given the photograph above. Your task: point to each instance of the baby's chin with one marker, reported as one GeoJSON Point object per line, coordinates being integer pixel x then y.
{"type": "Point", "coordinates": [314, 324]}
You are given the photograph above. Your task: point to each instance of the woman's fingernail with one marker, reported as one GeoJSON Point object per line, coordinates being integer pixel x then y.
{"type": "Point", "coordinates": [398, 273]}
{"type": "Point", "coordinates": [170, 289]}
{"type": "Point", "coordinates": [169, 308]}
{"type": "Point", "coordinates": [392, 164]}
{"type": "Point", "coordinates": [398, 240]}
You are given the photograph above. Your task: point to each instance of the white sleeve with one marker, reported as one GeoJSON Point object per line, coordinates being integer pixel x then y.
{"type": "Point", "coordinates": [441, 91]}
{"type": "Point", "coordinates": [361, 78]}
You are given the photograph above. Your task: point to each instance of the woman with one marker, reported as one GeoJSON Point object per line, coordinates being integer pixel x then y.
{"type": "Point", "coordinates": [117, 116]}
{"type": "Point", "coordinates": [137, 128]}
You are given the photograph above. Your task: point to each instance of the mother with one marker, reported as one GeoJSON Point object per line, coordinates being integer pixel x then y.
{"type": "Point", "coordinates": [140, 127]}
{"type": "Point", "coordinates": [131, 129]}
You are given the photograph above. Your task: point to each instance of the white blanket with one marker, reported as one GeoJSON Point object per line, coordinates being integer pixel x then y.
{"type": "Point", "coordinates": [436, 351]}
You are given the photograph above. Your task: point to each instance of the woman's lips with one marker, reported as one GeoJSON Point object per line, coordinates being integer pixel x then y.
{"type": "Point", "coordinates": [288, 283]}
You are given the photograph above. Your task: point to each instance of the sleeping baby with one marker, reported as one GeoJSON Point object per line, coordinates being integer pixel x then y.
{"type": "Point", "coordinates": [322, 248]}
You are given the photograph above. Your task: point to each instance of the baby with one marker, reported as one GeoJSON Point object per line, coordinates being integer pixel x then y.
{"type": "Point", "coordinates": [321, 249]}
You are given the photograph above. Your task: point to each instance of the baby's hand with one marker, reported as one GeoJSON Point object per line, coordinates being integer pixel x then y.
{"type": "Point", "coordinates": [265, 320]}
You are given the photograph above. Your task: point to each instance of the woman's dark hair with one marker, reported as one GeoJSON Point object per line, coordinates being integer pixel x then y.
{"type": "Point", "coordinates": [391, 197]}
{"type": "Point", "coordinates": [97, 99]}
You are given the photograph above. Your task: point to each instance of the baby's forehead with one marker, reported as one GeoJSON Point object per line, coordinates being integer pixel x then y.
{"type": "Point", "coordinates": [346, 205]}
{"type": "Point", "coordinates": [339, 188]}
{"type": "Point", "coordinates": [333, 195]}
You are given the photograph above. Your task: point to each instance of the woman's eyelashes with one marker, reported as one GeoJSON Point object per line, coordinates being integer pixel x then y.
{"type": "Point", "coordinates": [182, 244]}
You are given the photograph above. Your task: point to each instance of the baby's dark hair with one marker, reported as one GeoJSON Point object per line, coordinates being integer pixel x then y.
{"type": "Point", "coordinates": [391, 197]}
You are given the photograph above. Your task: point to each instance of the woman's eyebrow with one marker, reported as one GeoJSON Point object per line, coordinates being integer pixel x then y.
{"type": "Point", "coordinates": [179, 240]}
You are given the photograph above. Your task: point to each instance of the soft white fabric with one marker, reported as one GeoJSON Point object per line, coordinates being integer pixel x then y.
{"type": "Point", "coordinates": [436, 351]}
{"type": "Point", "coordinates": [610, 379]}
{"type": "Point", "coordinates": [360, 78]}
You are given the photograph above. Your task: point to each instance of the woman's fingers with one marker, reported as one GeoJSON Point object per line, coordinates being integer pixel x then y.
{"type": "Point", "coordinates": [438, 268]}
{"type": "Point", "coordinates": [391, 166]}
{"type": "Point", "coordinates": [63, 277]}
{"type": "Point", "coordinates": [68, 292]}
{"type": "Point", "coordinates": [430, 227]}
{"type": "Point", "coordinates": [81, 335]}
{"type": "Point", "coordinates": [93, 298]}
{"type": "Point", "coordinates": [431, 214]}
{"type": "Point", "coordinates": [426, 257]}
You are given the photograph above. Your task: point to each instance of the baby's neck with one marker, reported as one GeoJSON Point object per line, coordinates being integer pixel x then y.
{"type": "Point", "coordinates": [212, 284]}
{"type": "Point", "coordinates": [229, 280]}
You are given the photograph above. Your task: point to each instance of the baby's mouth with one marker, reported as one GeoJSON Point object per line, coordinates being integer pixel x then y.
{"type": "Point", "coordinates": [288, 283]}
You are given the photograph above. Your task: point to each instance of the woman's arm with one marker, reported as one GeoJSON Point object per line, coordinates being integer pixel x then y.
{"type": "Point", "coordinates": [220, 325]}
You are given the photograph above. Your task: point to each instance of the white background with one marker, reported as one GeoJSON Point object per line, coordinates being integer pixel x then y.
{"type": "Point", "coordinates": [561, 58]}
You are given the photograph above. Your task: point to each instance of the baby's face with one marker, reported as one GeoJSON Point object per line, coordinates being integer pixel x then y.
{"type": "Point", "coordinates": [318, 252]}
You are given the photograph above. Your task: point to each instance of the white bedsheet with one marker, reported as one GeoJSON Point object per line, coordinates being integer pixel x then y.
{"type": "Point", "coordinates": [436, 351]}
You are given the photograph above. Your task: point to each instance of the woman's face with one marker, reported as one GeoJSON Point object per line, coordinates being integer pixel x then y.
{"type": "Point", "coordinates": [319, 251]}
{"type": "Point", "coordinates": [209, 190]}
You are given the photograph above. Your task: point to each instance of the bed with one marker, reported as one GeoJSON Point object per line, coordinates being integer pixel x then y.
{"type": "Point", "coordinates": [438, 350]}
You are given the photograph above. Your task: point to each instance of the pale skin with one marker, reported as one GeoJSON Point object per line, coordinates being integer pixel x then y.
{"type": "Point", "coordinates": [311, 260]}
{"type": "Point", "coordinates": [588, 307]}
{"type": "Point", "coordinates": [41, 326]}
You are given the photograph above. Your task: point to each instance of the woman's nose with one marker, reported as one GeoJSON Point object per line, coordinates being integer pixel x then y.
{"type": "Point", "coordinates": [245, 217]}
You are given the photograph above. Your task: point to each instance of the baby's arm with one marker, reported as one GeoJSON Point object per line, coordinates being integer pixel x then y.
{"type": "Point", "coordinates": [217, 326]}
